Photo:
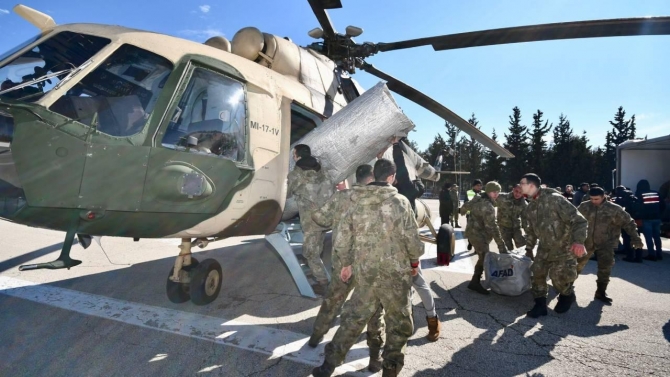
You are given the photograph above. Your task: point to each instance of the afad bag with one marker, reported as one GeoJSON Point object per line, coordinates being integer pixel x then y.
{"type": "Point", "coordinates": [507, 274]}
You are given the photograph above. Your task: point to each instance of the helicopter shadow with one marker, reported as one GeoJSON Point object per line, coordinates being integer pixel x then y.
{"type": "Point", "coordinates": [21, 259]}
{"type": "Point", "coordinates": [255, 283]}
{"type": "Point", "coordinates": [504, 341]}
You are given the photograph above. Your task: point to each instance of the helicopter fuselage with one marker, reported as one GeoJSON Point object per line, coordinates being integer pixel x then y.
{"type": "Point", "coordinates": [152, 136]}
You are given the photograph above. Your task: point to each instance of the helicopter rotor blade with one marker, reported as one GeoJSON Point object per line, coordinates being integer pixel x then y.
{"type": "Point", "coordinates": [435, 107]}
{"type": "Point", "coordinates": [319, 8]}
{"type": "Point", "coordinates": [544, 32]}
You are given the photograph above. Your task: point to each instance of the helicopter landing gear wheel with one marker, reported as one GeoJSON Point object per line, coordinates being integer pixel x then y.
{"type": "Point", "coordinates": [206, 282]}
{"type": "Point", "coordinates": [179, 293]}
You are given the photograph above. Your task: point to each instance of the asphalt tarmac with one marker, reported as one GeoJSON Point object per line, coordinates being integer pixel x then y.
{"type": "Point", "coordinates": [110, 316]}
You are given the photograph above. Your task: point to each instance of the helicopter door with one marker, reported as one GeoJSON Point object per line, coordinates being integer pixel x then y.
{"type": "Point", "coordinates": [115, 101]}
{"type": "Point", "coordinates": [203, 149]}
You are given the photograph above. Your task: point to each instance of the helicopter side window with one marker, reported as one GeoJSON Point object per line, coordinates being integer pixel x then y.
{"type": "Point", "coordinates": [210, 118]}
{"type": "Point", "coordinates": [117, 97]}
{"type": "Point", "coordinates": [29, 76]}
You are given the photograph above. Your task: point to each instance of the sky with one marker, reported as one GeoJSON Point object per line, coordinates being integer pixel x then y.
{"type": "Point", "coordinates": [587, 79]}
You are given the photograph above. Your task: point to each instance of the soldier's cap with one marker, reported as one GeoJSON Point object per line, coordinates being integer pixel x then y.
{"type": "Point", "coordinates": [492, 186]}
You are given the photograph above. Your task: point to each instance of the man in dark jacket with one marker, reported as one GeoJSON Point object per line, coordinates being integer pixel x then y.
{"type": "Point", "coordinates": [649, 210]}
{"type": "Point", "coordinates": [626, 199]}
{"type": "Point", "coordinates": [446, 204]}
{"type": "Point", "coordinates": [579, 195]}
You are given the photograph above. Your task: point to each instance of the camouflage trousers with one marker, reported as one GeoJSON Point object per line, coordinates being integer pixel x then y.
{"type": "Point", "coordinates": [605, 263]}
{"type": "Point", "coordinates": [312, 248]}
{"type": "Point", "coordinates": [364, 302]}
{"type": "Point", "coordinates": [481, 248]}
{"type": "Point", "coordinates": [512, 236]}
{"type": "Point", "coordinates": [562, 273]}
{"type": "Point", "coordinates": [454, 216]}
{"type": "Point", "coordinates": [332, 306]}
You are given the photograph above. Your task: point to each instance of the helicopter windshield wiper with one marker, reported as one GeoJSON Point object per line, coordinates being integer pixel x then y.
{"type": "Point", "coordinates": [72, 73]}
{"type": "Point", "coordinates": [39, 79]}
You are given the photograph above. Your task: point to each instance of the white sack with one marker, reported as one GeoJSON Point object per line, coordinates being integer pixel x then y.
{"type": "Point", "coordinates": [507, 274]}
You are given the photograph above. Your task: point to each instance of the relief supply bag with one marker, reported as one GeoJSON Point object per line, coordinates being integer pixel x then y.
{"type": "Point", "coordinates": [507, 274]}
{"type": "Point", "coordinates": [353, 136]}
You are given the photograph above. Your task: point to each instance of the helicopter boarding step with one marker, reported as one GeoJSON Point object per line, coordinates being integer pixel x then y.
{"type": "Point", "coordinates": [289, 233]}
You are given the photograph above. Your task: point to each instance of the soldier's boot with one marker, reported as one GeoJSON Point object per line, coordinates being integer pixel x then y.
{"type": "Point", "coordinates": [391, 372]}
{"type": "Point", "coordinates": [476, 284]}
{"type": "Point", "coordinates": [540, 308]}
{"type": "Point", "coordinates": [375, 364]}
{"type": "Point", "coordinates": [469, 246]}
{"type": "Point", "coordinates": [434, 327]}
{"type": "Point", "coordinates": [564, 303]}
{"type": "Point", "coordinates": [325, 370]}
{"type": "Point", "coordinates": [314, 340]}
{"type": "Point", "coordinates": [601, 294]}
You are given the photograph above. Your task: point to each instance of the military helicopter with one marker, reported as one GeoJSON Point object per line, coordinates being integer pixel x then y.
{"type": "Point", "coordinates": [111, 131]}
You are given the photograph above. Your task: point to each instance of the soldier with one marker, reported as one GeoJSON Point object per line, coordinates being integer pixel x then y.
{"type": "Point", "coordinates": [329, 216]}
{"type": "Point", "coordinates": [311, 188]}
{"type": "Point", "coordinates": [379, 236]}
{"type": "Point", "coordinates": [606, 220]}
{"type": "Point", "coordinates": [561, 230]}
{"type": "Point", "coordinates": [482, 227]}
{"type": "Point", "coordinates": [510, 219]}
{"type": "Point", "coordinates": [469, 195]}
{"type": "Point", "coordinates": [456, 203]}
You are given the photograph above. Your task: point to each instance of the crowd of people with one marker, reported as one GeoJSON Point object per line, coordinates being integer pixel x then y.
{"type": "Point", "coordinates": [376, 245]}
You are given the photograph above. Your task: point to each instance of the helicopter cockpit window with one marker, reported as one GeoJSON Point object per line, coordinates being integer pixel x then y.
{"type": "Point", "coordinates": [31, 75]}
{"type": "Point", "coordinates": [117, 97]}
{"type": "Point", "coordinates": [210, 117]}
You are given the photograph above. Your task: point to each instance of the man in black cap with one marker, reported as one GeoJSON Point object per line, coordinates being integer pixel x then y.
{"type": "Point", "coordinates": [579, 195]}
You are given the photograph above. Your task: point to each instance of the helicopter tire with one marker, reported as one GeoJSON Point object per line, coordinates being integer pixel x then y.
{"type": "Point", "coordinates": [206, 281]}
{"type": "Point", "coordinates": [178, 293]}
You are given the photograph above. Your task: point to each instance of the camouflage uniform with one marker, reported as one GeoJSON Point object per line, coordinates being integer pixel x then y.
{"type": "Point", "coordinates": [557, 224]}
{"type": "Point", "coordinates": [311, 189]}
{"type": "Point", "coordinates": [605, 224]}
{"type": "Point", "coordinates": [329, 216]}
{"type": "Point", "coordinates": [456, 202]}
{"type": "Point", "coordinates": [482, 228]}
{"type": "Point", "coordinates": [379, 237]}
{"type": "Point", "coordinates": [510, 218]}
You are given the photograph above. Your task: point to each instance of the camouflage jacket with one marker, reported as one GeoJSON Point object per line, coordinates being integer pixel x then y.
{"type": "Point", "coordinates": [482, 224]}
{"type": "Point", "coordinates": [379, 236]}
{"type": "Point", "coordinates": [510, 211]}
{"type": "Point", "coordinates": [330, 216]}
{"type": "Point", "coordinates": [605, 224]}
{"type": "Point", "coordinates": [556, 223]}
{"type": "Point", "coordinates": [311, 190]}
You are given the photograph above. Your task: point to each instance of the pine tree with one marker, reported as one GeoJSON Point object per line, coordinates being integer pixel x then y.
{"type": "Point", "coordinates": [435, 149]}
{"type": "Point", "coordinates": [537, 159]}
{"type": "Point", "coordinates": [517, 143]}
{"type": "Point", "coordinates": [475, 152]}
{"type": "Point", "coordinates": [451, 141]}
{"type": "Point", "coordinates": [622, 130]}
{"type": "Point", "coordinates": [492, 167]}
{"type": "Point", "coordinates": [560, 160]}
